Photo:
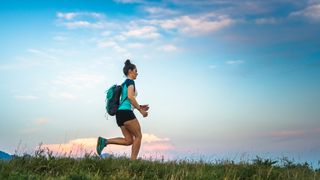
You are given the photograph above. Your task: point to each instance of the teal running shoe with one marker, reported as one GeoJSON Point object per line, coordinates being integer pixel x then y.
{"type": "Point", "coordinates": [102, 142]}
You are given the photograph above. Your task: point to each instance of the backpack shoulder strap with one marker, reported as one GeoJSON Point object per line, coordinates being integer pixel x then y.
{"type": "Point", "coordinates": [121, 92]}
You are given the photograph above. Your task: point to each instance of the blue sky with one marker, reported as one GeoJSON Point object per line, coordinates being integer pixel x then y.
{"type": "Point", "coordinates": [222, 78]}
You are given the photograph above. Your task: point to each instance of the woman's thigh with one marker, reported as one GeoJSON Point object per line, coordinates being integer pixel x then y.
{"type": "Point", "coordinates": [134, 127]}
{"type": "Point", "coordinates": [126, 133]}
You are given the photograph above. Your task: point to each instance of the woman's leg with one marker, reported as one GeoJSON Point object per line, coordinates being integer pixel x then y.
{"type": "Point", "coordinates": [127, 140]}
{"type": "Point", "coordinates": [134, 128]}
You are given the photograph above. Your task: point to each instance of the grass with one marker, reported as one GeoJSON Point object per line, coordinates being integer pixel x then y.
{"type": "Point", "coordinates": [43, 165]}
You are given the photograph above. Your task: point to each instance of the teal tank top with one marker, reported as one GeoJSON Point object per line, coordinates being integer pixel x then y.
{"type": "Point", "coordinates": [126, 104]}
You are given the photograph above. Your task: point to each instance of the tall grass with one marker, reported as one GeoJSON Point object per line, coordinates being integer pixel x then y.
{"type": "Point", "coordinates": [43, 165]}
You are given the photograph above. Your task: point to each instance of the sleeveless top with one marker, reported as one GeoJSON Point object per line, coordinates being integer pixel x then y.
{"type": "Point", "coordinates": [126, 104]}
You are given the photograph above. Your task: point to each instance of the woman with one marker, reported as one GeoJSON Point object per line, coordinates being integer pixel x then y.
{"type": "Point", "coordinates": [125, 117]}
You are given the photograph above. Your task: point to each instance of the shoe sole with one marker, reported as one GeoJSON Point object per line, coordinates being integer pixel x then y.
{"type": "Point", "coordinates": [98, 146]}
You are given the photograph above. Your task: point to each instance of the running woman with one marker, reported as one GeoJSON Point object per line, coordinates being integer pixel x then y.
{"type": "Point", "coordinates": [125, 117]}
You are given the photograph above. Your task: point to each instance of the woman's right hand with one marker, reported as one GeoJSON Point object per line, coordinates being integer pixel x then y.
{"type": "Point", "coordinates": [145, 107]}
{"type": "Point", "coordinates": [143, 112]}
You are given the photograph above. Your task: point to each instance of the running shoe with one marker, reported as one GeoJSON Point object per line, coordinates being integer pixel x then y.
{"type": "Point", "coordinates": [101, 144]}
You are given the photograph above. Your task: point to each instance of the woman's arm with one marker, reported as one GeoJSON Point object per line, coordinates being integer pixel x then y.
{"type": "Point", "coordinates": [134, 102]}
{"type": "Point", "coordinates": [132, 98]}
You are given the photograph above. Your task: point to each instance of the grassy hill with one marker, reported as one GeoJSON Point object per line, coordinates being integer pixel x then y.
{"type": "Point", "coordinates": [46, 166]}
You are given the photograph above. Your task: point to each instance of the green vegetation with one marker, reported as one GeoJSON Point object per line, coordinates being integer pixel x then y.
{"type": "Point", "coordinates": [43, 165]}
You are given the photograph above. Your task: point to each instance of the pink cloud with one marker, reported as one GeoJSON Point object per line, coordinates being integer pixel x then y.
{"type": "Point", "coordinates": [157, 146]}
{"type": "Point", "coordinates": [152, 147]}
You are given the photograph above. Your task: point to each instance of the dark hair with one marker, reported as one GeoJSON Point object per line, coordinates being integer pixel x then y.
{"type": "Point", "coordinates": [128, 66]}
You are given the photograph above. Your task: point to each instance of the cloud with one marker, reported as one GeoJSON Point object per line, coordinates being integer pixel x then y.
{"type": "Point", "coordinates": [149, 138]}
{"type": "Point", "coordinates": [78, 147]}
{"type": "Point", "coordinates": [72, 15]}
{"type": "Point", "coordinates": [42, 54]}
{"type": "Point", "coordinates": [84, 24]}
{"type": "Point", "coordinates": [235, 62]}
{"type": "Point", "coordinates": [146, 32]}
{"type": "Point", "coordinates": [26, 97]}
{"type": "Point", "coordinates": [156, 146]}
{"type": "Point", "coordinates": [67, 16]}
{"type": "Point", "coordinates": [75, 148]}
{"type": "Point", "coordinates": [158, 11]}
{"type": "Point", "coordinates": [114, 46]}
{"type": "Point", "coordinates": [169, 48]}
{"type": "Point", "coordinates": [312, 12]}
{"type": "Point", "coordinates": [195, 24]}
{"type": "Point", "coordinates": [75, 20]}
{"type": "Point", "coordinates": [231, 7]}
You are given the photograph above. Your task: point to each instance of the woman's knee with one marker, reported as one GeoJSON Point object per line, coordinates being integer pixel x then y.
{"type": "Point", "coordinates": [129, 142]}
{"type": "Point", "coordinates": [138, 136]}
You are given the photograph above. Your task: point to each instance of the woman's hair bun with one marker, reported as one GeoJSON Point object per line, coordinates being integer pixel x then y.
{"type": "Point", "coordinates": [128, 66]}
{"type": "Point", "coordinates": [127, 62]}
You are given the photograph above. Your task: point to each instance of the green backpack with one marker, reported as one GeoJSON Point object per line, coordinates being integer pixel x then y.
{"type": "Point", "coordinates": [113, 99]}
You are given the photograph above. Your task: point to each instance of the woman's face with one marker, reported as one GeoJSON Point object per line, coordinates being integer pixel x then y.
{"type": "Point", "coordinates": [133, 73]}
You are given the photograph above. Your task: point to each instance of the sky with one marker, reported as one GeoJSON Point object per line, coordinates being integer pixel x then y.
{"type": "Point", "coordinates": [224, 79]}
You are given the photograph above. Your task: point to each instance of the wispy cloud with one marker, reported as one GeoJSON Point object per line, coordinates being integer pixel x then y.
{"type": "Point", "coordinates": [114, 46]}
{"type": "Point", "coordinates": [72, 15]}
{"type": "Point", "coordinates": [159, 11]}
{"type": "Point", "coordinates": [312, 12]}
{"type": "Point", "coordinates": [234, 62]}
{"type": "Point", "coordinates": [195, 24]}
{"type": "Point", "coordinates": [84, 24]}
{"type": "Point", "coordinates": [67, 16]}
{"type": "Point", "coordinates": [235, 8]}
{"type": "Point", "coordinates": [146, 32]}
{"type": "Point", "coordinates": [148, 138]}
{"type": "Point", "coordinates": [169, 48]}
{"type": "Point", "coordinates": [76, 20]}
{"type": "Point", "coordinates": [42, 54]}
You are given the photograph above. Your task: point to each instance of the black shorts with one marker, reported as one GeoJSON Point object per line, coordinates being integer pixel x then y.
{"type": "Point", "coordinates": [123, 116]}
